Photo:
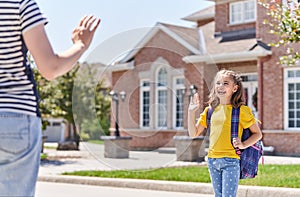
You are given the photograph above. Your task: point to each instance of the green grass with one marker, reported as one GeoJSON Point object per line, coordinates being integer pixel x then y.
{"type": "Point", "coordinates": [96, 141]}
{"type": "Point", "coordinates": [44, 156]}
{"type": "Point", "coordinates": [269, 175]}
{"type": "Point", "coordinates": [50, 147]}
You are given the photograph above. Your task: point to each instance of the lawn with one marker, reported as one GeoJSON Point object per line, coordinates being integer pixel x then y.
{"type": "Point", "coordinates": [269, 175]}
{"type": "Point", "coordinates": [96, 141]}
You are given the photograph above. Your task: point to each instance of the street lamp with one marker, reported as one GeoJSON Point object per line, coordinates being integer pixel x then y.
{"type": "Point", "coordinates": [115, 97]}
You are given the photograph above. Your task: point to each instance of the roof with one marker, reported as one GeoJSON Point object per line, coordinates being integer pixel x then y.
{"type": "Point", "coordinates": [205, 14]}
{"type": "Point", "coordinates": [218, 51]}
{"type": "Point", "coordinates": [214, 44]}
{"type": "Point", "coordinates": [187, 37]}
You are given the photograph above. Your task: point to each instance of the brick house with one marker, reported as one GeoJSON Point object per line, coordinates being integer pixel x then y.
{"type": "Point", "coordinates": [170, 59]}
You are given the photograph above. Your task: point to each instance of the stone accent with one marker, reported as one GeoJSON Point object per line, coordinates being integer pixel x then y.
{"type": "Point", "coordinates": [116, 147]}
{"type": "Point", "coordinates": [190, 149]}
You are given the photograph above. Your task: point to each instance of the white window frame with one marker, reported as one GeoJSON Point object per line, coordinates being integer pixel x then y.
{"type": "Point", "coordinates": [289, 80]}
{"type": "Point", "coordinates": [178, 87]}
{"type": "Point", "coordinates": [243, 11]}
{"type": "Point", "coordinates": [142, 90]}
{"type": "Point", "coordinates": [158, 88]}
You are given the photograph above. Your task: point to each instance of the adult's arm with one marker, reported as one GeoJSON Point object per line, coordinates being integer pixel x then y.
{"type": "Point", "coordinates": [50, 64]}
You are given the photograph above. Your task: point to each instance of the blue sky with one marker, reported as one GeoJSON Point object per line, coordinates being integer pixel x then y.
{"type": "Point", "coordinates": [120, 18]}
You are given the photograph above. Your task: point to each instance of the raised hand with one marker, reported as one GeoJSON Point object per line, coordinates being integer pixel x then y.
{"type": "Point", "coordinates": [84, 32]}
{"type": "Point", "coordinates": [194, 103]}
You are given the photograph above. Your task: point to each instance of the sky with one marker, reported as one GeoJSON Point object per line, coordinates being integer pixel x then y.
{"type": "Point", "coordinates": [123, 22]}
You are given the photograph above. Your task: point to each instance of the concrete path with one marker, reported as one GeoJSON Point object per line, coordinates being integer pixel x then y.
{"type": "Point", "coordinates": [91, 157]}
{"type": "Point", "coordinates": [49, 189]}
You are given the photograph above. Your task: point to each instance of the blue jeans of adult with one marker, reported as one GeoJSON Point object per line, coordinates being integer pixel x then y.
{"type": "Point", "coordinates": [20, 147]}
{"type": "Point", "coordinates": [225, 175]}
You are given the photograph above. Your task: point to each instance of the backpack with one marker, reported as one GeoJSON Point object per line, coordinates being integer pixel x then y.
{"type": "Point", "coordinates": [249, 157]}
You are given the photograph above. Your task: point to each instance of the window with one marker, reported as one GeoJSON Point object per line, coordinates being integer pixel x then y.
{"type": "Point", "coordinates": [162, 97]}
{"type": "Point", "coordinates": [242, 12]}
{"type": "Point", "coordinates": [145, 100]}
{"type": "Point", "coordinates": [292, 96]}
{"type": "Point", "coordinates": [179, 90]}
{"type": "Point", "coordinates": [162, 77]}
{"type": "Point", "coordinates": [162, 108]}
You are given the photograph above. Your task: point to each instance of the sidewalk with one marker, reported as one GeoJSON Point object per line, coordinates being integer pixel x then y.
{"type": "Point", "coordinates": [91, 157]}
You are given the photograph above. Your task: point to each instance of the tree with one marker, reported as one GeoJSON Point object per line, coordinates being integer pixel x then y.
{"type": "Point", "coordinates": [57, 99]}
{"type": "Point", "coordinates": [285, 23]}
{"type": "Point", "coordinates": [91, 107]}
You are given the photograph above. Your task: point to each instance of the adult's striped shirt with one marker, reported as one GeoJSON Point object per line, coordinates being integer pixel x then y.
{"type": "Point", "coordinates": [17, 86]}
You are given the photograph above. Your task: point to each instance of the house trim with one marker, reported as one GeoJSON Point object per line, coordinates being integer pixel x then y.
{"type": "Point", "coordinates": [120, 66]}
{"type": "Point", "coordinates": [174, 97]}
{"type": "Point", "coordinates": [151, 34]}
{"type": "Point", "coordinates": [228, 57]}
{"type": "Point", "coordinates": [142, 90]}
{"type": "Point", "coordinates": [285, 97]}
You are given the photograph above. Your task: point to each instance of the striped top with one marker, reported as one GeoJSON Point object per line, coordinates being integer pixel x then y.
{"type": "Point", "coordinates": [17, 86]}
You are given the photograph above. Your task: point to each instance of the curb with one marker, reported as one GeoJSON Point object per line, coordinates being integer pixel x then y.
{"type": "Point", "coordinates": [171, 186]}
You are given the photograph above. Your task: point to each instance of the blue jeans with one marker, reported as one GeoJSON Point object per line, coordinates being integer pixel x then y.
{"type": "Point", "coordinates": [225, 175]}
{"type": "Point", "coordinates": [20, 147]}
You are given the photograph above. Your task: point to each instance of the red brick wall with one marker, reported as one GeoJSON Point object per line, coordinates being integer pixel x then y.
{"type": "Point", "coordinates": [285, 143]}
{"type": "Point", "coordinates": [160, 46]}
{"type": "Point", "coordinates": [272, 81]}
{"type": "Point", "coordinates": [150, 140]}
{"type": "Point", "coordinates": [272, 92]}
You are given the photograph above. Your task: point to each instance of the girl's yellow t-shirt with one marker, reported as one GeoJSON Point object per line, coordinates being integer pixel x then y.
{"type": "Point", "coordinates": [220, 129]}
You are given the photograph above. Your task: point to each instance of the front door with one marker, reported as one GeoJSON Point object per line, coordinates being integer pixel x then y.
{"type": "Point", "coordinates": [250, 90]}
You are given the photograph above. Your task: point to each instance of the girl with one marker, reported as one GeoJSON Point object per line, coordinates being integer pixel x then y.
{"type": "Point", "coordinates": [223, 162]}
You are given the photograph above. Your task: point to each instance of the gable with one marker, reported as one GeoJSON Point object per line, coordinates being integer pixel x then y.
{"type": "Point", "coordinates": [186, 37]}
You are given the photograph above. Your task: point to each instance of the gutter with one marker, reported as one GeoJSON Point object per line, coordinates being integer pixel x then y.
{"type": "Point", "coordinates": [227, 57]}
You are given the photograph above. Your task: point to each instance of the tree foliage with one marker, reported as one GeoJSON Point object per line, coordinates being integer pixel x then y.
{"type": "Point", "coordinates": [57, 100]}
{"type": "Point", "coordinates": [285, 23]}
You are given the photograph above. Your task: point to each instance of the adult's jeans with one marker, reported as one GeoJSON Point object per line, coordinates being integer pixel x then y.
{"type": "Point", "coordinates": [20, 147]}
{"type": "Point", "coordinates": [225, 175]}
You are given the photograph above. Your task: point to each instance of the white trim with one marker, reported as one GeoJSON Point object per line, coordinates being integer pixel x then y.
{"type": "Point", "coordinates": [285, 92]}
{"type": "Point", "coordinates": [157, 89]}
{"type": "Point", "coordinates": [197, 18]}
{"type": "Point", "coordinates": [243, 20]}
{"type": "Point", "coordinates": [120, 66]}
{"type": "Point", "coordinates": [174, 94]}
{"type": "Point", "coordinates": [151, 34]}
{"type": "Point", "coordinates": [202, 45]}
{"type": "Point", "coordinates": [142, 90]}
{"type": "Point", "coordinates": [151, 75]}
{"type": "Point", "coordinates": [227, 57]}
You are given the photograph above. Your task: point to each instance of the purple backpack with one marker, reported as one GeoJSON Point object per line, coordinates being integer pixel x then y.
{"type": "Point", "coordinates": [249, 157]}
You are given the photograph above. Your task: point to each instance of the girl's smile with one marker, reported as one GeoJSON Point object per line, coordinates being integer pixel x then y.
{"type": "Point", "coordinates": [224, 89]}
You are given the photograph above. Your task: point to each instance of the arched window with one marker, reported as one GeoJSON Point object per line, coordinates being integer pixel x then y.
{"type": "Point", "coordinates": [162, 77]}
{"type": "Point", "coordinates": [162, 97]}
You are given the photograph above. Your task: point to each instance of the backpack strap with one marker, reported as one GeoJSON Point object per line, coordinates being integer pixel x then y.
{"type": "Point", "coordinates": [208, 118]}
{"type": "Point", "coordinates": [235, 118]}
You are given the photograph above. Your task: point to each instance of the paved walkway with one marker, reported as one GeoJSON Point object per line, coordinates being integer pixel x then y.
{"type": "Point", "coordinates": [50, 189]}
{"type": "Point", "coordinates": [91, 157]}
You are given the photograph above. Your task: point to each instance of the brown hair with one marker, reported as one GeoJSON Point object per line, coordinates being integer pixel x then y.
{"type": "Point", "coordinates": [237, 98]}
